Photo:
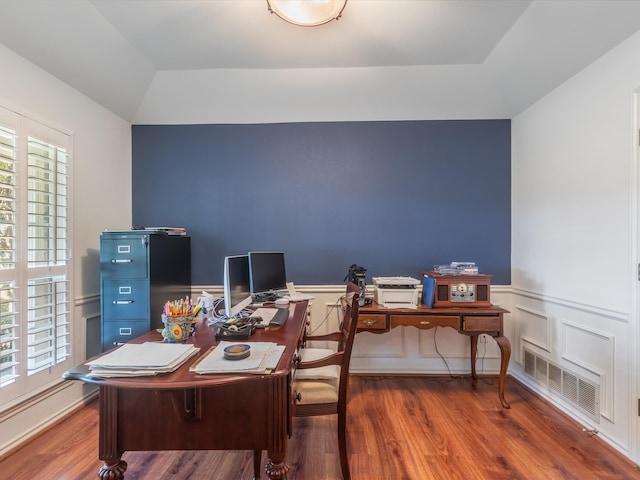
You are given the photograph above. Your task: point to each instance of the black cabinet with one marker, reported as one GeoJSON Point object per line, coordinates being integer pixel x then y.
{"type": "Point", "coordinates": [139, 273]}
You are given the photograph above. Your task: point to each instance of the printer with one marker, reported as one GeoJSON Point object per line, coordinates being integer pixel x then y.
{"type": "Point", "coordinates": [396, 292]}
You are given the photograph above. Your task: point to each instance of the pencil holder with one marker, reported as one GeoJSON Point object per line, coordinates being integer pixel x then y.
{"type": "Point", "coordinates": [178, 329]}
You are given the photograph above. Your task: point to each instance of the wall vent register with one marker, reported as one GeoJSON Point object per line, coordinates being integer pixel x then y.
{"type": "Point", "coordinates": [579, 391]}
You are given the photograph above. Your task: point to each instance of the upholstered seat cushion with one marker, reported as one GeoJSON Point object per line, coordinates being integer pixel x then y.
{"type": "Point", "coordinates": [316, 391]}
{"type": "Point", "coordinates": [328, 372]}
{"type": "Point", "coordinates": [316, 385]}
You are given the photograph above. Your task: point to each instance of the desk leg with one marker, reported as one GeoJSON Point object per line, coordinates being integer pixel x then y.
{"type": "Point", "coordinates": [113, 472]}
{"type": "Point", "coordinates": [280, 409]}
{"type": "Point", "coordinates": [276, 467]}
{"type": "Point", "coordinates": [257, 462]}
{"type": "Point", "coordinates": [474, 352]}
{"type": "Point", "coordinates": [505, 354]}
{"type": "Point", "coordinates": [114, 467]}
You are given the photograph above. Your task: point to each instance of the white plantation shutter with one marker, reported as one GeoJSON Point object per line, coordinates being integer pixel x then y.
{"type": "Point", "coordinates": [35, 259]}
{"type": "Point", "coordinates": [9, 328]}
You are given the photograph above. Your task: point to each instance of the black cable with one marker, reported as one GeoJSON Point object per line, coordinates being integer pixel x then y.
{"type": "Point", "coordinates": [487, 380]}
{"type": "Point", "coordinates": [336, 308]}
{"type": "Point", "coordinates": [435, 343]}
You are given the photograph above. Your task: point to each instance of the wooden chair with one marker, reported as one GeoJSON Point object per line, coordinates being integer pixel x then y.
{"type": "Point", "coordinates": [321, 380]}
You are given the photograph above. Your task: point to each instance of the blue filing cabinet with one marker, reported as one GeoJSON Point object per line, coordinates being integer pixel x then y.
{"type": "Point", "coordinates": [139, 273]}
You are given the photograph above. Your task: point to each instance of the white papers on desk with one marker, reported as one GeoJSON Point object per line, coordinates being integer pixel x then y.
{"type": "Point", "coordinates": [141, 359]}
{"type": "Point", "coordinates": [264, 358]}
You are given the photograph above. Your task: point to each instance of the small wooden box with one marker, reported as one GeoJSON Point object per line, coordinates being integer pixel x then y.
{"type": "Point", "coordinates": [461, 290]}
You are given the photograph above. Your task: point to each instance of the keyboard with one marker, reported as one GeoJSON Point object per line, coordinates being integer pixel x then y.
{"type": "Point", "coordinates": [272, 316]}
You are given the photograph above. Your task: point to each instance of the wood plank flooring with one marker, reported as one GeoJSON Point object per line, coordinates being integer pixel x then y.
{"type": "Point", "coordinates": [399, 428]}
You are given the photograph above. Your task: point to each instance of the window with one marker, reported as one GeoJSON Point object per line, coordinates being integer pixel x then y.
{"type": "Point", "coordinates": [35, 256]}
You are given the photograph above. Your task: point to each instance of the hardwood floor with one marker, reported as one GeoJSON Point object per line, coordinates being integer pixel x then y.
{"type": "Point", "coordinates": [399, 428]}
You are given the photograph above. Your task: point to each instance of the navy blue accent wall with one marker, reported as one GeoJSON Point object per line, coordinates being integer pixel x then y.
{"type": "Point", "coordinates": [394, 197]}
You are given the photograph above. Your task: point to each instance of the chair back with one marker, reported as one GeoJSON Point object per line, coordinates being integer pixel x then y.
{"type": "Point", "coordinates": [322, 387]}
{"type": "Point", "coordinates": [341, 357]}
{"type": "Point", "coordinates": [345, 322]}
{"type": "Point", "coordinates": [348, 334]}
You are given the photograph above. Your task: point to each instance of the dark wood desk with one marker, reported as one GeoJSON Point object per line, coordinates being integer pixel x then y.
{"type": "Point", "coordinates": [186, 411]}
{"type": "Point", "coordinates": [470, 321]}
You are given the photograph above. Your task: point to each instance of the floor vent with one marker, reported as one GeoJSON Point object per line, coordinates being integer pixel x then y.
{"type": "Point", "coordinates": [573, 388]}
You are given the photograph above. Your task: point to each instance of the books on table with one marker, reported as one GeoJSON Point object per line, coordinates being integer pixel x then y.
{"type": "Point", "coordinates": [153, 358]}
{"type": "Point", "coordinates": [141, 359]}
{"type": "Point", "coordinates": [264, 358]}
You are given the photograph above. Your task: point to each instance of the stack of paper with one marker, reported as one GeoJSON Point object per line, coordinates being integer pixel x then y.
{"type": "Point", "coordinates": [264, 358]}
{"type": "Point", "coordinates": [140, 359]}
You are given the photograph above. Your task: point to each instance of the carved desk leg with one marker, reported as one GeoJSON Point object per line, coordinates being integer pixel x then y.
{"type": "Point", "coordinates": [113, 472]}
{"type": "Point", "coordinates": [276, 468]}
{"type": "Point", "coordinates": [114, 467]}
{"type": "Point", "coordinates": [505, 354]}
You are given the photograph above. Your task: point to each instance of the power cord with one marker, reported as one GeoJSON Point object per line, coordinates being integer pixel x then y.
{"type": "Point", "coordinates": [336, 308]}
{"type": "Point", "coordinates": [219, 315]}
{"type": "Point", "coordinates": [435, 344]}
{"type": "Point", "coordinates": [482, 357]}
{"type": "Point", "coordinates": [484, 354]}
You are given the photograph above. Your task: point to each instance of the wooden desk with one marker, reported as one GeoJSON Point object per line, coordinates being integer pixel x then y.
{"type": "Point", "coordinates": [186, 411]}
{"type": "Point", "coordinates": [470, 321]}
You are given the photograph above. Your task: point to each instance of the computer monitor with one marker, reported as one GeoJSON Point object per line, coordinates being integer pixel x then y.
{"type": "Point", "coordinates": [237, 287]}
{"type": "Point", "coordinates": [267, 273]}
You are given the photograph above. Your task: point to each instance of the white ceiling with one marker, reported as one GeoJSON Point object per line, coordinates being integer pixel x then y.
{"type": "Point", "coordinates": [112, 50]}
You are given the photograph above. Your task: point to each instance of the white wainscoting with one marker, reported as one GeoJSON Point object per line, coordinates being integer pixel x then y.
{"type": "Point", "coordinates": [439, 351]}
{"type": "Point", "coordinates": [35, 414]}
{"type": "Point", "coordinates": [590, 341]}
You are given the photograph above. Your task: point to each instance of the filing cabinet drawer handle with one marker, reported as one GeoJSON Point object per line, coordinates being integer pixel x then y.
{"type": "Point", "coordinates": [121, 260]}
{"type": "Point", "coordinates": [425, 322]}
{"type": "Point", "coordinates": [122, 302]}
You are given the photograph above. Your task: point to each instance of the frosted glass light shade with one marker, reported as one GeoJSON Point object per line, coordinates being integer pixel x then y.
{"type": "Point", "coordinates": [307, 13]}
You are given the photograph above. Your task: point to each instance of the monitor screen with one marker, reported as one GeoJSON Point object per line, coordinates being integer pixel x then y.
{"type": "Point", "coordinates": [237, 288]}
{"type": "Point", "coordinates": [267, 272]}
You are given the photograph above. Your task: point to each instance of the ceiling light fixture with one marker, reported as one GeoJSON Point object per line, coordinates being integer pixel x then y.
{"type": "Point", "coordinates": [307, 13]}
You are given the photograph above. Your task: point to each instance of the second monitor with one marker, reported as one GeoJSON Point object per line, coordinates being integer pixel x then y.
{"type": "Point", "coordinates": [267, 275]}
{"type": "Point", "coordinates": [237, 290]}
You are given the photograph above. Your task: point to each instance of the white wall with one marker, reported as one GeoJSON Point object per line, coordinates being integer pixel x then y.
{"type": "Point", "coordinates": [102, 199]}
{"type": "Point", "coordinates": [572, 235]}
{"type": "Point", "coordinates": [440, 92]}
